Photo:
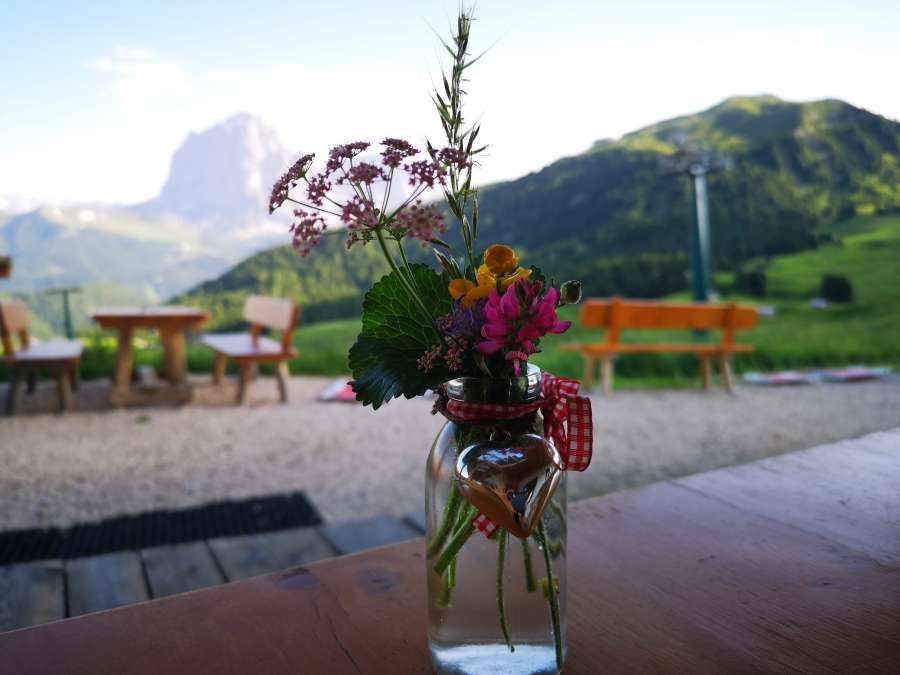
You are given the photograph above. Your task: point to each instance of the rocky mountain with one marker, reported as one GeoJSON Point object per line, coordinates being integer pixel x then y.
{"type": "Point", "coordinates": [618, 219]}
{"type": "Point", "coordinates": [211, 212]}
{"type": "Point", "coordinates": [220, 180]}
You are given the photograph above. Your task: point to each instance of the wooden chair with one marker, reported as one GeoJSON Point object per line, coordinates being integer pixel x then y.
{"type": "Point", "coordinates": [617, 315]}
{"type": "Point", "coordinates": [61, 356]}
{"type": "Point", "coordinates": [250, 349]}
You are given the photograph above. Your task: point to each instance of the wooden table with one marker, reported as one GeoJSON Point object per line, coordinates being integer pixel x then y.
{"type": "Point", "coordinates": [790, 564]}
{"type": "Point", "coordinates": [171, 322]}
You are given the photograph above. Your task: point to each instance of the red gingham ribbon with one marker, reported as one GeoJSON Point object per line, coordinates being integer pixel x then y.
{"type": "Point", "coordinates": [567, 420]}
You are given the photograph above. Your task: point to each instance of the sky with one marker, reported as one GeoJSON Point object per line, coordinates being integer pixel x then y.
{"type": "Point", "coordinates": [96, 96]}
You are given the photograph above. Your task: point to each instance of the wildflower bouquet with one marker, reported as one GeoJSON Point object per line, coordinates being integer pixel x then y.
{"type": "Point", "coordinates": [476, 317]}
{"type": "Point", "coordinates": [482, 314]}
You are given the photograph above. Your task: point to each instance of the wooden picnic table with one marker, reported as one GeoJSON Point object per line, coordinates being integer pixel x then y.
{"type": "Point", "coordinates": [171, 322]}
{"type": "Point", "coordinates": [790, 564]}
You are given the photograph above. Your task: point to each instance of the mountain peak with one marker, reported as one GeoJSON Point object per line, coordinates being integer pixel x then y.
{"type": "Point", "coordinates": [220, 178]}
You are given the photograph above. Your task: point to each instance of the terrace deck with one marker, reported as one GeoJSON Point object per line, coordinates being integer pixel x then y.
{"type": "Point", "coordinates": [47, 590]}
{"type": "Point", "coordinates": [788, 564]}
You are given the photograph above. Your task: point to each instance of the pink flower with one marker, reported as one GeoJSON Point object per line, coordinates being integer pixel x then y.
{"type": "Point", "coordinates": [515, 321]}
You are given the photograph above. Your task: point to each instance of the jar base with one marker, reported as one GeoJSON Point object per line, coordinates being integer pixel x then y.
{"type": "Point", "coordinates": [494, 659]}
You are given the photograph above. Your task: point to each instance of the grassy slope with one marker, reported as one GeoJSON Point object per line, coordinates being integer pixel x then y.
{"type": "Point", "coordinates": [863, 332]}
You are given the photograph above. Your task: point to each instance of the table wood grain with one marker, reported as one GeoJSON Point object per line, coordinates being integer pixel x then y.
{"type": "Point", "coordinates": [750, 569]}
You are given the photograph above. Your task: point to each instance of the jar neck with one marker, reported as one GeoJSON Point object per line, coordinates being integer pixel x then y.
{"type": "Point", "coordinates": [523, 389]}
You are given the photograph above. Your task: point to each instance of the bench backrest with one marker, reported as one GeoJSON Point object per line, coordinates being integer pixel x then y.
{"type": "Point", "coordinates": [13, 321]}
{"type": "Point", "coordinates": [281, 315]}
{"type": "Point", "coordinates": [616, 314]}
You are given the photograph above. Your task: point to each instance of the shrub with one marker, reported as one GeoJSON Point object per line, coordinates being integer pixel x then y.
{"type": "Point", "coordinates": [836, 288]}
{"type": "Point", "coordinates": [751, 282]}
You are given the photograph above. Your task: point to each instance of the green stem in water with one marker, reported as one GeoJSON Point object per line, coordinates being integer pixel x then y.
{"type": "Point", "coordinates": [501, 561]}
{"type": "Point", "coordinates": [459, 538]}
{"type": "Point", "coordinates": [552, 598]}
{"type": "Point", "coordinates": [557, 509]}
{"type": "Point", "coordinates": [447, 522]}
{"type": "Point", "coordinates": [530, 584]}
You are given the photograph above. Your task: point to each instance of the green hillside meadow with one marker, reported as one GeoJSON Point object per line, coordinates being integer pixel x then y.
{"type": "Point", "coordinates": [866, 250]}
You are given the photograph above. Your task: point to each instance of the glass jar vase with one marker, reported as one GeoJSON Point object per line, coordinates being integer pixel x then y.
{"type": "Point", "coordinates": [496, 604]}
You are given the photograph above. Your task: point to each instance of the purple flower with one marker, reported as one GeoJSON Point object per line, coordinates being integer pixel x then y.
{"type": "Point", "coordinates": [420, 221]}
{"type": "Point", "coordinates": [289, 180]}
{"type": "Point", "coordinates": [454, 157]}
{"type": "Point", "coordinates": [318, 188]}
{"type": "Point", "coordinates": [365, 173]}
{"type": "Point", "coordinates": [463, 324]}
{"type": "Point", "coordinates": [424, 172]}
{"type": "Point", "coordinates": [395, 151]}
{"type": "Point", "coordinates": [339, 153]}
{"type": "Point", "coordinates": [307, 229]}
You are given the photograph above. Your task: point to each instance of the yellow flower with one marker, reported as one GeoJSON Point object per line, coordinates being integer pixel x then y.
{"type": "Point", "coordinates": [478, 292]}
{"type": "Point", "coordinates": [506, 280]}
{"type": "Point", "coordinates": [510, 279]}
{"type": "Point", "coordinates": [459, 287]}
{"type": "Point", "coordinates": [500, 259]}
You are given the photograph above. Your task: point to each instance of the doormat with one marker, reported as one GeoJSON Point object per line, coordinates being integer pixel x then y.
{"type": "Point", "coordinates": [160, 528]}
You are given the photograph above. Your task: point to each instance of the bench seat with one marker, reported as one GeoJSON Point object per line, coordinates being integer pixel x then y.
{"type": "Point", "coordinates": [47, 353]}
{"type": "Point", "coordinates": [243, 346]}
{"type": "Point", "coordinates": [252, 348]}
{"type": "Point", "coordinates": [61, 356]}
{"type": "Point", "coordinates": [657, 348]}
{"type": "Point", "coordinates": [614, 316]}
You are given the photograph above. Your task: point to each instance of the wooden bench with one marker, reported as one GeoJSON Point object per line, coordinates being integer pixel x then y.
{"type": "Point", "coordinates": [617, 315]}
{"type": "Point", "coordinates": [60, 356]}
{"type": "Point", "coordinates": [250, 349]}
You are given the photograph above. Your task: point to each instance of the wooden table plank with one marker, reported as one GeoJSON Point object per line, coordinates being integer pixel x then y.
{"type": "Point", "coordinates": [844, 491]}
{"type": "Point", "coordinates": [105, 581]}
{"type": "Point", "coordinates": [665, 579]}
{"type": "Point", "coordinates": [180, 568]}
{"type": "Point", "coordinates": [250, 556]}
{"type": "Point", "coordinates": [661, 579]}
{"type": "Point", "coordinates": [31, 593]}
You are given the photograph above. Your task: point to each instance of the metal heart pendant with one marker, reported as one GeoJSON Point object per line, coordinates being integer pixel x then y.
{"type": "Point", "coordinates": [511, 482]}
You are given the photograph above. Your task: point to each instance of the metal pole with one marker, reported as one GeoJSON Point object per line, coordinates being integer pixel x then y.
{"type": "Point", "coordinates": [701, 276]}
{"type": "Point", "coordinates": [67, 315]}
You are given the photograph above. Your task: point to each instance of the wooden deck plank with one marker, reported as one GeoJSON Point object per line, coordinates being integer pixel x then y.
{"type": "Point", "coordinates": [843, 491]}
{"type": "Point", "coordinates": [416, 520]}
{"type": "Point", "coordinates": [105, 581]}
{"type": "Point", "coordinates": [359, 535]}
{"type": "Point", "coordinates": [31, 593]}
{"type": "Point", "coordinates": [180, 568]}
{"type": "Point", "coordinates": [250, 556]}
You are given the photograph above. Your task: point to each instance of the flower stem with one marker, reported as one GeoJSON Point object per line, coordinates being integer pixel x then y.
{"type": "Point", "coordinates": [557, 509]}
{"type": "Point", "coordinates": [448, 520]}
{"type": "Point", "coordinates": [530, 584]}
{"type": "Point", "coordinates": [379, 235]}
{"type": "Point", "coordinates": [552, 598]}
{"type": "Point", "coordinates": [460, 537]}
{"type": "Point", "coordinates": [501, 561]}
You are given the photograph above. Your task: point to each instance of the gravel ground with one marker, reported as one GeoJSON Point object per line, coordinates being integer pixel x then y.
{"type": "Point", "coordinates": [353, 462]}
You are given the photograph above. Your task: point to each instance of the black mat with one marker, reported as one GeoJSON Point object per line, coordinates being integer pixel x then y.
{"type": "Point", "coordinates": [158, 528]}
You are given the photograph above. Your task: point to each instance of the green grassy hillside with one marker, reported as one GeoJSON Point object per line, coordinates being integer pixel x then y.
{"type": "Point", "coordinates": [616, 218]}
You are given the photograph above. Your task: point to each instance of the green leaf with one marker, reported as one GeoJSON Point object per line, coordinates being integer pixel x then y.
{"type": "Point", "coordinates": [394, 335]}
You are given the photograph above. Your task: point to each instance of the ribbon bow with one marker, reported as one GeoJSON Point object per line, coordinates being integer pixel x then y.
{"type": "Point", "coordinates": [567, 421]}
